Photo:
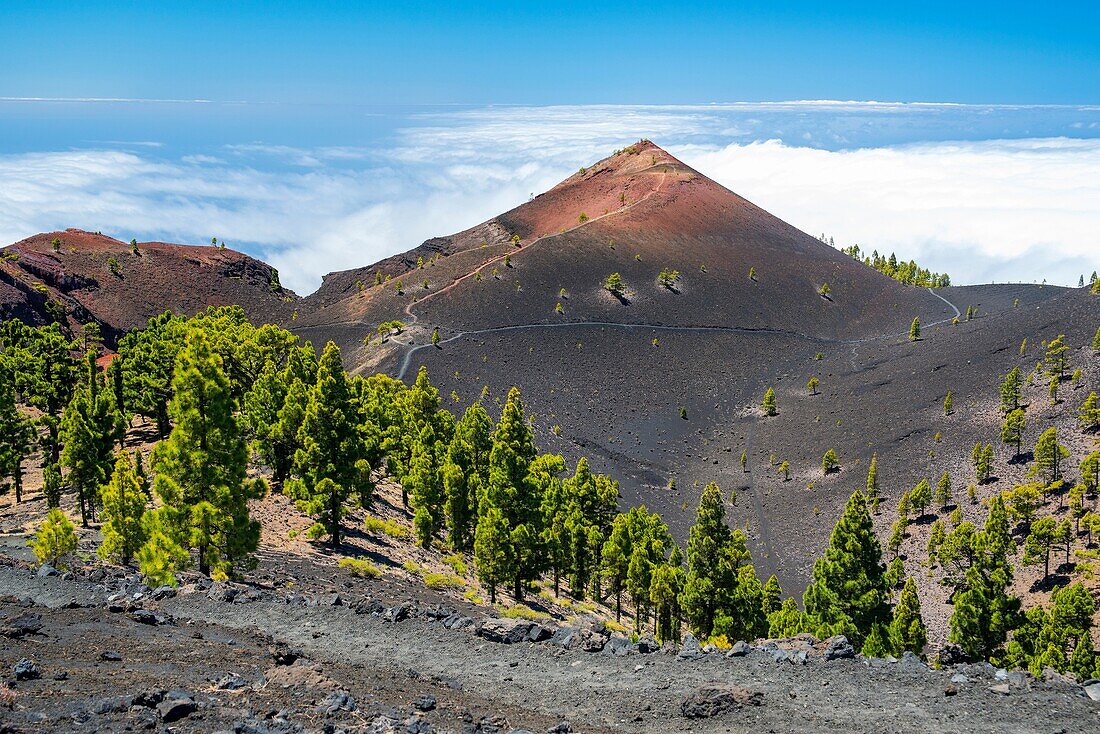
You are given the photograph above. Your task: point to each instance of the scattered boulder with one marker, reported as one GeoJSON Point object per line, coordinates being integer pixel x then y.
{"type": "Point", "coordinates": [398, 612]}
{"type": "Point", "coordinates": [594, 643]}
{"type": "Point", "coordinates": [1001, 689]}
{"type": "Point", "coordinates": [739, 649]}
{"type": "Point", "coordinates": [176, 705]}
{"type": "Point", "coordinates": [562, 727]}
{"type": "Point", "coordinates": [648, 644]}
{"type": "Point", "coordinates": [231, 682]}
{"type": "Point", "coordinates": [567, 637]}
{"type": "Point", "coordinates": [281, 654]}
{"type": "Point", "coordinates": [162, 592]}
{"type": "Point", "coordinates": [46, 570]}
{"type": "Point", "coordinates": [336, 702]}
{"type": "Point", "coordinates": [21, 626]}
{"type": "Point", "coordinates": [911, 663]}
{"type": "Point", "coordinates": [539, 633]}
{"type": "Point", "coordinates": [838, 648]}
{"type": "Point", "coordinates": [110, 656]}
{"type": "Point", "coordinates": [952, 654]}
{"type": "Point", "coordinates": [690, 649]}
{"type": "Point", "coordinates": [425, 702]}
{"type": "Point", "coordinates": [710, 701]}
{"type": "Point", "coordinates": [26, 669]}
{"type": "Point", "coordinates": [505, 631]}
{"type": "Point", "coordinates": [619, 646]}
{"type": "Point", "coordinates": [222, 591]}
{"type": "Point", "coordinates": [1092, 688]}
{"type": "Point", "coordinates": [113, 705]}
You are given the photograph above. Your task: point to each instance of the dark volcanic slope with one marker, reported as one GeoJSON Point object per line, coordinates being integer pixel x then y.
{"type": "Point", "coordinates": [160, 277]}
{"type": "Point", "coordinates": [607, 378]}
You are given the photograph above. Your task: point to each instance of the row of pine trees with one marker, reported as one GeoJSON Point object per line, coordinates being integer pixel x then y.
{"type": "Point", "coordinates": [221, 392]}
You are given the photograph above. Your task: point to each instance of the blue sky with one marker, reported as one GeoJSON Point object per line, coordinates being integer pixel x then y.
{"type": "Point", "coordinates": [553, 52]}
{"type": "Point", "coordinates": [325, 136]}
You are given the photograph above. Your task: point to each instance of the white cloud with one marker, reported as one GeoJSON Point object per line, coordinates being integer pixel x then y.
{"type": "Point", "coordinates": [1019, 210]}
{"type": "Point", "coordinates": [993, 209]}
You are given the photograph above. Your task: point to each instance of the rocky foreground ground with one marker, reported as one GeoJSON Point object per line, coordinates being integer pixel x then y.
{"type": "Point", "coordinates": [98, 651]}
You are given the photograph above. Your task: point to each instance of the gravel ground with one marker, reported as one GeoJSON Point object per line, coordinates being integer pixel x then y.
{"type": "Point", "coordinates": [477, 685]}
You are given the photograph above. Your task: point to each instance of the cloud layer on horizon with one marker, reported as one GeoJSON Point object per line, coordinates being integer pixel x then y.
{"type": "Point", "coordinates": [981, 210]}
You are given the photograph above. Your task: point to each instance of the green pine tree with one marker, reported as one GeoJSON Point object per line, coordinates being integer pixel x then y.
{"type": "Point", "coordinates": [465, 472]}
{"type": "Point", "coordinates": [907, 631]}
{"type": "Point", "coordinates": [492, 549]}
{"type": "Point", "coordinates": [201, 468]}
{"type": "Point", "coordinates": [332, 466]}
{"type": "Point", "coordinates": [55, 540]}
{"type": "Point", "coordinates": [1049, 456]}
{"type": "Point", "coordinates": [847, 594]}
{"type": "Point", "coordinates": [914, 330]}
{"type": "Point", "coordinates": [123, 507]}
{"type": "Point", "coordinates": [769, 404]}
{"type": "Point", "coordinates": [1011, 391]}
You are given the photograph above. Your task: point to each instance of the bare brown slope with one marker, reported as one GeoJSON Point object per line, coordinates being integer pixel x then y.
{"type": "Point", "coordinates": [636, 213]}
{"type": "Point", "coordinates": [181, 278]}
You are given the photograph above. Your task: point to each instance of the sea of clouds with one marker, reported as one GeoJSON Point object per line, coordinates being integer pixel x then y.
{"type": "Point", "coordinates": [984, 193]}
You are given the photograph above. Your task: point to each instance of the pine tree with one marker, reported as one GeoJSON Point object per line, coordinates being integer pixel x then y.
{"type": "Point", "coordinates": [847, 594]}
{"type": "Point", "coordinates": [1040, 542]}
{"type": "Point", "coordinates": [1011, 391]}
{"type": "Point", "coordinates": [509, 491]}
{"type": "Point", "coordinates": [123, 507]}
{"type": "Point", "coordinates": [943, 491]}
{"type": "Point", "coordinates": [44, 373]}
{"type": "Point", "coordinates": [771, 595]}
{"type": "Point", "coordinates": [1012, 431]}
{"type": "Point", "coordinates": [788, 620]}
{"type": "Point", "coordinates": [1049, 455]}
{"type": "Point", "coordinates": [1090, 471]}
{"type": "Point", "coordinates": [830, 462]}
{"type": "Point", "coordinates": [17, 432]}
{"type": "Point", "coordinates": [465, 472]}
{"type": "Point", "coordinates": [160, 557]}
{"type": "Point", "coordinates": [907, 631]}
{"type": "Point", "coordinates": [55, 540]}
{"type": "Point", "coordinates": [201, 468]}
{"type": "Point", "coordinates": [914, 330]}
{"type": "Point", "coordinates": [665, 587]}
{"type": "Point", "coordinates": [948, 404]}
{"type": "Point", "coordinates": [1088, 416]}
{"type": "Point", "coordinates": [492, 549]}
{"type": "Point", "coordinates": [424, 483]}
{"type": "Point", "coordinates": [1096, 341]}
{"type": "Point", "coordinates": [984, 612]}
{"type": "Point", "coordinates": [769, 403]}
{"type": "Point", "coordinates": [872, 478]}
{"type": "Point", "coordinates": [936, 538]}
{"type": "Point", "coordinates": [710, 565]}
{"type": "Point", "coordinates": [744, 461]}
{"type": "Point", "coordinates": [920, 497]}
{"type": "Point", "coordinates": [1057, 356]}
{"type": "Point", "coordinates": [332, 465]}
{"type": "Point", "coordinates": [812, 384]}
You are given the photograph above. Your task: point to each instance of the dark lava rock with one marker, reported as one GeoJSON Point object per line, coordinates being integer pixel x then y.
{"type": "Point", "coordinates": [47, 570]}
{"type": "Point", "coordinates": [26, 670]}
{"type": "Point", "coordinates": [21, 626]}
{"type": "Point", "coordinates": [566, 637]}
{"type": "Point", "coordinates": [231, 682]}
{"type": "Point", "coordinates": [110, 656]}
{"type": "Point", "coordinates": [539, 633]}
{"type": "Point", "coordinates": [838, 648]}
{"type": "Point", "coordinates": [648, 644]}
{"type": "Point", "coordinates": [739, 650]}
{"type": "Point", "coordinates": [283, 655]}
{"type": "Point", "coordinates": [113, 705]}
{"type": "Point", "coordinates": [689, 649]}
{"type": "Point", "coordinates": [398, 612]}
{"type": "Point", "coordinates": [222, 591]}
{"type": "Point", "coordinates": [503, 630]}
{"type": "Point", "coordinates": [146, 616]}
{"type": "Point", "coordinates": [595, 643]}
{"type": "Point", "coordinates": [176, 705]}
{"type": "Point", "coordinates": [425, 702]}
{"type": "Point", "coordinates": [911, 663]}
{"type": "Point", "coordinates": [337, 701]}
{"type": "Point", "coordinates": [952, 655]}
{"type": "Point", "coordinates": [711, 701]}
{"type": "Point", "coordinates": [560, 728]}
{"type": "Point", "coordinates": [619, 646]}
{"type": "Point", "coordinates": [148, 699]}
